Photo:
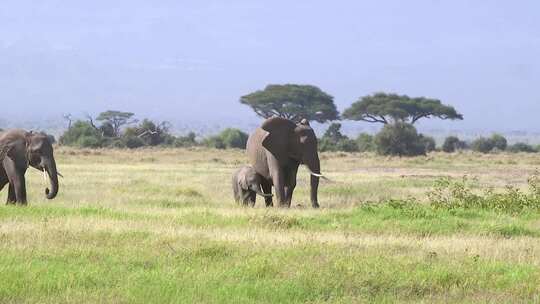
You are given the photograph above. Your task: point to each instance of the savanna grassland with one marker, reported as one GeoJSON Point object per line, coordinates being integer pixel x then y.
{"type": "Point", "coordinates": [160, 226]}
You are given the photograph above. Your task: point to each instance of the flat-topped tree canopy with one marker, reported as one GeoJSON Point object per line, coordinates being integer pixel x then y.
{"type": "Point", "coordinates": [116, 119]}
{"type": "Point", "coordinates": [293, 102]}
{"type": "Point", "coordinates": [387, 108]}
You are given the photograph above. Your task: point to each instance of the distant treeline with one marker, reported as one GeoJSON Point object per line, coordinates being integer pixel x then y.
{"type": "Point", "coordinates": [115, 129]}
{"type": "Point", "coordinates": [403, 140]}
{"type": "Point", "coordinates": [397, 113]}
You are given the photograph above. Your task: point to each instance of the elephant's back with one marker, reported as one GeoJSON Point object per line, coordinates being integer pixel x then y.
{"type": "Point", "coordinates": [12, 135]}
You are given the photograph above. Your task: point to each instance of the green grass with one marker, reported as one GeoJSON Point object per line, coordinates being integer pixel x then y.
{"type": "Point", "coordinates": [160, 226]}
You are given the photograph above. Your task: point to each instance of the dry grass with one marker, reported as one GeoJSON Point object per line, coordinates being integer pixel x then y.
{"type": "Point", "coordinates": [159, 226]}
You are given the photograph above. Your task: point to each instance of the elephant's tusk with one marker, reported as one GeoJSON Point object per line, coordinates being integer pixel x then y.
{"type": "Point", "coordinates": [44, 175]}
{"type": "Point", "coordinates": [317, 174]}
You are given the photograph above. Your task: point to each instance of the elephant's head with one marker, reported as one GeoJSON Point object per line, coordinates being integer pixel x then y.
{"type": "Point", "coordinates": [40, 156]}
{"type": "Point", "coordinates": [288, 140]}
{"type": "Point", "coordinates": [248, 179]}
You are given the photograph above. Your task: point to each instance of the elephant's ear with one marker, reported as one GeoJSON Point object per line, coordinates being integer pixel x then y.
{"type": "Point", "coordinates": [278, 137]}
{"type": "Point", "coordinates": [32, 145]}
{"type": "Point", "coordinates": [242, 181]}
{"type": "Point", "coordinates": [4, 150]}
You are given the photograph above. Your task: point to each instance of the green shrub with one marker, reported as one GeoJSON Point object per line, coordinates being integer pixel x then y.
{"type": "Point", "coordinates": [452, 144]}
{"type": "Point", "coordinates": [333, 140]}
{"type": "Point", "coordinates": [483, 145]}
{"type": "Point", "coordinates": [118, 143]}
{"type": "Point", "coordinates": [499, 142]}
{"type": "Point", "coordinates": [133, 142]}
{"type": "Point", "coordinates": [452, 194]}
{"type": "Point", "coordinates": [400, 139]}
{"type": "Point", "coordinates": [107, 129]}
{"type": "Point", "coordinates": [486, 145]}
{"type": "Point", "coordinates": [88, 142]}
{"type": "Point", "coordinates": [428, 142]}
{"type": "Point", "coordinates": [185, 141]}
{"type": "Point", "coordinates": [228, 138]}
{"type": "Point", "coordinates": [521, 147]}
{"type": "Point", "coordinates": [82, 134]}
{"type": "Point", "coordinates": [233, 138]}
{"type": "Point", "coordinates": [214, 142]}
{"type": "Point", "coordinates": [150, 133]}
{"type": "Point", "coordinates": [365, 143]}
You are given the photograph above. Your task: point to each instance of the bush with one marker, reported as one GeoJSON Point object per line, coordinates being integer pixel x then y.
{"type": "Point", "coordinates": [400, 139]}
{"type": "Point", "coordinates": [214, 142]}
{"type": "Point", "coordinates": [428, 142]}
{"type": "Point", "coordinates": [347, 145]}
{"type": "Point", "coordinates": [333, 140]}
{"type": "Point", "coordinates": [133, 142]}
{"type": "Point", "coordinates": [486, 145]}
{"type": "Point", "coordinates": [483, 145]}
{"type": "Point", "coordinates": [89, 142]}
{"type": "Point", "coordinates": [233, 138]}
{"type": "Point", "coordinates": [107, 129]}
{"type": "Point", "coordinates": [499, 142]}
{"type": "Point", "coordinates": [451, 194]}
{"type": "Point", "coordinates": [365, 142]}
{"type": "Point", "coordinates": [452, 144]}
{"type": "Point", "coordinates": [185, 141]}
{"type": "Point", "coordinates": [82, 134]}
{"type": "Point", "coordinates": [228, 138]}
{"type": "Point", "coordinates": [150, 133]}
{"type": "Point", "coordinates": [521, 147]}
{"type": "Point", "coordinates": [118, 143]}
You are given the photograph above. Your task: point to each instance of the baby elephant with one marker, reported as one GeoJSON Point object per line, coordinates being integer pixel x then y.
{"type": "Point", "coordinates": [246, 184]}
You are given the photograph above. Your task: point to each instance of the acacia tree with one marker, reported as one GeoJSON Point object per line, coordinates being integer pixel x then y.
{"type": "Point", "coordinates": [116, 119]}
{"type": "Point", "coordinates": [293, 102]}
{"type": "Point", "coordinates": [390, 108]}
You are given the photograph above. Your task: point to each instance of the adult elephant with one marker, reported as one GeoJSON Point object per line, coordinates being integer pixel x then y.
{"type": "Point", "coordinates": [276, 150]}
{"type": "Point", "coordinates": [22, 149]}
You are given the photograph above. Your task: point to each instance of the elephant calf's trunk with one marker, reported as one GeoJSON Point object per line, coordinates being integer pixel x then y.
{"type": "Point", "coordinates": [259, 192]}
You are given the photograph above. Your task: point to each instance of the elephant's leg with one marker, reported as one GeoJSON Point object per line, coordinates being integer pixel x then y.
{"type": "Point", "coordinates": [252, 198]}
{"type": "Point", "coordinates": [236, 193]}
{"type": "Point", "coordinates": [290, 183]}
{"type": "Point", "coordinates": [11, 198]}
{"type": "Point", "coordinates": [16, 180]}
{"type": "Point", "coordinates": [245, 197]}
{"type": "Point", "coordinates": [267, 189]}
{"type": "Point", "coordinates": [20, 189]}
{"type": "Point", "coordinates": [279, 185]}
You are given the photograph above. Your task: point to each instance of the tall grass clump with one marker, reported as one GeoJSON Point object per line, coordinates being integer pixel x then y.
{"type": "Point", "coordinates": [453, 194]}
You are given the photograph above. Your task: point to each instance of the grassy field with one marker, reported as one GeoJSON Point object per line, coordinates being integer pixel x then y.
{"type": "Point", "coordinates": [160, 226]}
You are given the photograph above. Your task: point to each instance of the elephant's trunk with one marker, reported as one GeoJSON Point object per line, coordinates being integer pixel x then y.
{"type": "Point", "coordinates": [314, 166]}
{"type": "Point", "coordinates": [50, 167]}
{"type": "Point", "coordinates": [259, 192]}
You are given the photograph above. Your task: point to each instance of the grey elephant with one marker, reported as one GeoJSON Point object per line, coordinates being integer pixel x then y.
{"type": "Point", "coordinates": [246, 185]}
{"type": "Point", "coordinates": [276, 149]}
{"type": "Point", "coordinates": [19, 150]}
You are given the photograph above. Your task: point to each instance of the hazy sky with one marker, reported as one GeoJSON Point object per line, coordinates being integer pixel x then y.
{"type": "Point", "coordinates": [193, 59]}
